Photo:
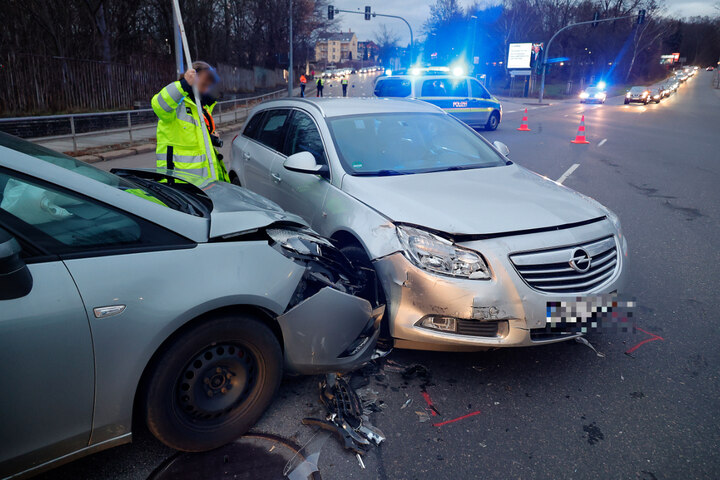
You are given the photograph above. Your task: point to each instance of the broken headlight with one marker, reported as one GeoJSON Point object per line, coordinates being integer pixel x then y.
{"type": "Point", "coordinates": [298, 241]}
{"type": "Point", "coordinates": [439, 255]}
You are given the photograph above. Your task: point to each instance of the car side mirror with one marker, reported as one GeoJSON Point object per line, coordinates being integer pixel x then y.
{"type": "Point", "coordinates": [15, 278]}
{"type": "Point", "coordinates": [304, 162]}
{"type": "Point", "coordinates": [502, 148]}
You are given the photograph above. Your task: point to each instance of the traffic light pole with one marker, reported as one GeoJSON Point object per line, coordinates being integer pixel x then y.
{"type": "Point", "coordinates": [290, 55]}
{"type": "Point", "coordinates": [338, 10]}
{"type": "Point", "coordinates": [547, 47]}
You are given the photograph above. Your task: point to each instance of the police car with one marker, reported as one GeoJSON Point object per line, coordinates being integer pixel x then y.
{"type": "Point", "coordinates": [459, 95]}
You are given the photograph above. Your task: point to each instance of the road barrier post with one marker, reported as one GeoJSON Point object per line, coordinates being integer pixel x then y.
{"type": "Point", "coordinates": [129, 128]}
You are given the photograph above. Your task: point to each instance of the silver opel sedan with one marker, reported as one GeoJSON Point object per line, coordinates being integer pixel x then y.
{"type": "Point", "coordinates": [156, 296]}
{"type": "Point", "coordinates": [471, 250]}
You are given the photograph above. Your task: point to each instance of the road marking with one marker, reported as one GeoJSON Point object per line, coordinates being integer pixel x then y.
{"type": "Point", "coordinates": [567, 173]}
{"type": "Point", "coordinates": [602, 142]}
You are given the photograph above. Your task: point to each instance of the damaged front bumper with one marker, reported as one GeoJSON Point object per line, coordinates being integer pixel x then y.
{"type": "Point", "coordinates": [501, 312]}
{"type": "Point", "coordinates": [329, 332]}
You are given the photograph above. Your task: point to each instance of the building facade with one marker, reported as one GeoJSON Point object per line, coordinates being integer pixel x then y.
{"type": "Point", "coordinates": [368, 50]}
{"type": "Point", "coordinates": [336, 47]}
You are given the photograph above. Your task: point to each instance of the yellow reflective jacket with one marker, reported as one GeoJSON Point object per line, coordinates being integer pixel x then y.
{"type": "Point", "coordinates": [180, 143]}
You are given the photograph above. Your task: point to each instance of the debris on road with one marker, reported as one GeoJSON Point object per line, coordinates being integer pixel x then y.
{"type": "Point", "coordinates": [422, 416]}
{"type": "Point", "coordinates": [305, 462]}
{"type": "Point", "coordinates": [585, 342]}
{"type": "Point", "coordinates": [406, 404]}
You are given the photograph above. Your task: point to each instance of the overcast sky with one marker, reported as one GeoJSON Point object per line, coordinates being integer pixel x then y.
{"type": "Point", "coordinates": [417, 11]}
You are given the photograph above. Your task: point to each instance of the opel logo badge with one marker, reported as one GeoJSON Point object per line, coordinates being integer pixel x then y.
{"type": "Point", "coordinates": [580, 260]}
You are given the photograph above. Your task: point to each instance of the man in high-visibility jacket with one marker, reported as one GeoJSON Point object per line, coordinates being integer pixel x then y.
{"type": "Point", "coordinates": [344, 83]}
{"type": "Point", "coordinates": [180, 142]}
{"type": "Point", "coordinates": [303, 83]}
{"type": "Point", "coordinates": [319, 86]}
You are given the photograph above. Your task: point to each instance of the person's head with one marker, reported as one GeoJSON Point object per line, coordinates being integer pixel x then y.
{"type": "Point", "coordinates": [207, 77]}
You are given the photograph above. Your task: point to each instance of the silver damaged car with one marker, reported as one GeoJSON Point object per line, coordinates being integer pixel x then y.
{"type": "Point", "coordinates": [469, 247]}
{"type": "Point", "coordinates": [159, 296]}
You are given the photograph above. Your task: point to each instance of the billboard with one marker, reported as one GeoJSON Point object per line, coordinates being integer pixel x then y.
{"type": "Point", "coordinates": [519, 55]}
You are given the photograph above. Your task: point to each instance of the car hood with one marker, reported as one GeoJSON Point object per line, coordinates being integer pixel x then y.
{"type": "Point", "coordinates": [480, 201]}
{"type": "Point", "coordinates": [235, 209]}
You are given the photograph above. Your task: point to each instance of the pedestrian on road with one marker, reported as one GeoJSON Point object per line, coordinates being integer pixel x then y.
{"type": "Point", "coordinates": [344, 83]}
{"type": "Point", "coordinates": [303, 82]}
{"type": "Point", "coordinates": [319, 84]}
{"type": "Point", "coordinates": [180, 141]}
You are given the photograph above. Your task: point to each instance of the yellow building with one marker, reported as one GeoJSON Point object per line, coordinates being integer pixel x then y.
{"type": "Point", "coordinates": [336, 47]}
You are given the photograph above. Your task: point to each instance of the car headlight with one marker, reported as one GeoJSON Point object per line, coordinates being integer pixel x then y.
{"type": "Point", "coordinates": [599, 95]}
{"type": "Point", "coordinates": [297, 241]}
{"type": "Point", "coordinates": [584, 95]}
{"type": "Point", "coordinates": [439, 255]}
{"type": "Point", "coordinates": [628, 95]}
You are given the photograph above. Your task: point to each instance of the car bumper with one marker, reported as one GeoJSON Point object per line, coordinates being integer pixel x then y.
{"type": "Point", "coordinates": [501, 312]}
{"type": "Point", "coordinates": [330, 331]}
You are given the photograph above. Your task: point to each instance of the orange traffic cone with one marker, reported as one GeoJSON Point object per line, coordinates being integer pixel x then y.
{"type": "Point", "coordinates": [524, 125]}
{"type": "Point", "coordinates": [580, 137]}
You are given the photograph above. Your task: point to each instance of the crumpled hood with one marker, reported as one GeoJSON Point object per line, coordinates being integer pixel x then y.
{"type": "Point", "coordinates": [478, 201]}
{"type": "Point", "coordinates": [235, 209]}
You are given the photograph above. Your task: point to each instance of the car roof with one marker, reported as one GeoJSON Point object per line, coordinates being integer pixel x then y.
{"type": "Point", "coordinates": [338, 107]}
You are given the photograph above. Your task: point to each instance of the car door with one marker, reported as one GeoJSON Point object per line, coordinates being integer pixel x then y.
{"type": "Point", "coordinates": [480, 101]}
{"type": "Point", "coordinates": [450, 94]}
{"type": "Point", "coordinates": [46, 349]}
{"type": "Point", "coordinates": [301, 193]}
{"type": "Point", "coordinates": [263, 150]}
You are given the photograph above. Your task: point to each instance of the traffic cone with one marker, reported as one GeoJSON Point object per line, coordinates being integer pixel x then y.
{"type": "Point", "coordinates": [580, 137]}
{"type": "Point", "coordinates": [524, 125]}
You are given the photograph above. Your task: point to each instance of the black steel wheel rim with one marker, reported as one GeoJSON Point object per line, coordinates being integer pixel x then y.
{"type": "Point", "coordinates": [217, 381]}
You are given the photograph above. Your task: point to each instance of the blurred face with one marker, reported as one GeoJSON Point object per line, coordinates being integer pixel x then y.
{"type": "Point", "coordinates": [205, 81]}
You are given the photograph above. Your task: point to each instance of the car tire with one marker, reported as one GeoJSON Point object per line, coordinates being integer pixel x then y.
{"type": "Point", "coordinates": [235, 180]}
{"type": "Point", "coordinates": [627, 101]}
{"type": "Point", "coordinates": [645, 102]}
{"type": "Point", "coordinates": [212, 383]}
{"type": "Point", "coordinates": [493, 122]}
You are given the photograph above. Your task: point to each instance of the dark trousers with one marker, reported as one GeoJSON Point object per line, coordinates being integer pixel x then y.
{"type": "Point", "coordinates": [319, 91]}
{"type": "Point", "coordinates": [344, 85]}
{"type": "Point", "coordinates": [302, 89]}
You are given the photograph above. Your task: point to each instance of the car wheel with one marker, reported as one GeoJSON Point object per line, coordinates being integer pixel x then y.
{"type": "Point", "coordinates": [493, 122]}
{"type": "Point", "coordinates": [213, 382]}
{"type": "Point", "coordinates": [645, 102]}
{"type": "Point", "coordinates": [627, 101]}
{"type": "Point", "coordinates": [235, 180]}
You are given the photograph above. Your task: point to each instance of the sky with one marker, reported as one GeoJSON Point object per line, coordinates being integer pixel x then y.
{"type": "Point", "coordinates": [417, 11]}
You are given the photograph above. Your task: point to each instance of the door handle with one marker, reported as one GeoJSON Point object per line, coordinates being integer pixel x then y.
{"type": "Point", "coordinates": [246, 155]}
{"type": "Point", "coordinates": [276, 177]}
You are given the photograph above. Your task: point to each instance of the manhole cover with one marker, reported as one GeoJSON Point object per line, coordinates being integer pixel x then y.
{"type": "Point", "coordinates": [253, 456]}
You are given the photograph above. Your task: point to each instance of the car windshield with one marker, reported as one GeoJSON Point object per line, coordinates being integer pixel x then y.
{"type": "Point", "coordinates": [592, 90]}
{"type": "Point", "coordinates": [87, 170]}
{"type": "Point", "coordinates": [638, 89]}
{"type": "Point", "coordinates": [406, 143]}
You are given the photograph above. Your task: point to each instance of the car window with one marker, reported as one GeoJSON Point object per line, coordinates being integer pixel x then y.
{"type": "Point", "coordinates": [303, 136]}
{"type": "Point", "coordinates": [274, 126]}
{"type": "Point", "coordinates": [637, 89]}
{"type": "Point", "coordinates": [63, 222]}
{"type": "Point", "coordinates": [404, 143]}
{"type": "Point", "coordinates": [477, 90]}
{"type": "Point", "coordinates": [393, 87]}
{"type": "Point", "coordinates": [444, 87]}
{"type": "Point", "coordinates": [253, 126]}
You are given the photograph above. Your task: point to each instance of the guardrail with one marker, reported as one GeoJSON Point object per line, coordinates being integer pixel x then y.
{"type": "Point", "coordinates": [104, 123]}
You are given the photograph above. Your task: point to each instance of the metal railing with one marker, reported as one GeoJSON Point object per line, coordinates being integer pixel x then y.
{"type": "Point", "coordinates": [226, 111]}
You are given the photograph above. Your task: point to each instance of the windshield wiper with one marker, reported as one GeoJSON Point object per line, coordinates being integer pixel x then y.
{"type": "Point", "coordinates": [167, 194]}
{"type": "Point", "coordinates": [380, 173]}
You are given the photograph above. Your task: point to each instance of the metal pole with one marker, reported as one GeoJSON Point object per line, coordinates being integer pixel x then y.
{"type": "Point", "coordinates": [290, 56]}
{"type": "Point", "coordinates": [200, 119]}
{"type": "Point", "coordinates": [547, 48]}
{"type": "Point", "coordinates": [177, 38]}
{"type": "Point", "coordinates": [129, 128]}
{"type": "Point", "coordinates": [72, 131]}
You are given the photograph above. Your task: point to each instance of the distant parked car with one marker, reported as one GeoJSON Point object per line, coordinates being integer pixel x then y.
{"type": "Point", "coordinates": [656, 93]}
{"type": "Point", "coordinates": [638, 94]}
{"type": "Point", "coordinates": [155, 296]}
{"type": "Point", "coordinates": [710, 68]}
{"type": "Point", "coordinates": [593, 94]}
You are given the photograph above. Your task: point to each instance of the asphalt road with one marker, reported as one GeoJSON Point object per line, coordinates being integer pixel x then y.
{"type": "Point", "coordinates": [560, 411]}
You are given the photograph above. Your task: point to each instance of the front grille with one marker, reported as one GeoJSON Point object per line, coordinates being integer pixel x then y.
{"type": "Point", "coordinates": [477, 328]}
{"type": "Point", "coordinates": [550, 271]}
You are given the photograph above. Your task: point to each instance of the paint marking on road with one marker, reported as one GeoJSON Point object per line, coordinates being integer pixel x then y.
{"type": "Point", "coordinates": [602, 142]}
{"type": "Point", "coordinates": [567, 173]}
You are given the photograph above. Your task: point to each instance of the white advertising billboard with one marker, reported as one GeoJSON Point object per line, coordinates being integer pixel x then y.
{"type": "Point", "coordinates": [519, 55]}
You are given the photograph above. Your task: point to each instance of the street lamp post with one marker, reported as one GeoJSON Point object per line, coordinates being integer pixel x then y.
{"type": "Point", "coordinates": [290, 55]}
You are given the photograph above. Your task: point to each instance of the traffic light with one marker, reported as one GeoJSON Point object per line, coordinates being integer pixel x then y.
{"type": "Point", "coordinates": [641, 17]}
{"type": "Point", "coordinates": [595, 19]}
{"type": "Point", "coordinates": [367, 13]}
{"type": "Point", "coordinates": [331, 12]}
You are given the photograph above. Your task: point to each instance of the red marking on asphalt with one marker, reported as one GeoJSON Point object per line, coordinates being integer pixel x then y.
{"type": "Point", "coordinates": [652, 338]}
{"type": "Point", "coordinates": [434, 410]}
{"type": "Point", "coordinates": [472, 414]}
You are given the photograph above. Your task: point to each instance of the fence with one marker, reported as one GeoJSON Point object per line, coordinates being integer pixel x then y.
{"type": "Point", "coordinates": [41, 84]}
{"type": "Point", "coordinates": [125, 126]}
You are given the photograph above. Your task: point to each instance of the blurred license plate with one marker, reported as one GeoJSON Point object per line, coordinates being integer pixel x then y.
{"type": "Point", "coordinates": [599, 313]}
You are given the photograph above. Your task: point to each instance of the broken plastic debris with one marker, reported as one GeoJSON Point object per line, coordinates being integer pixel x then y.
{"type": "Point", "coordinates": [584, 341]}
{"type": "Point", "coordinates": [305, 461]}
{"type": "Point", "coordinates": [360, 461]}
{"type": "Point", "coordinates": [406, 404]}
{"type": "Point", "coordinates": [422, 416]}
